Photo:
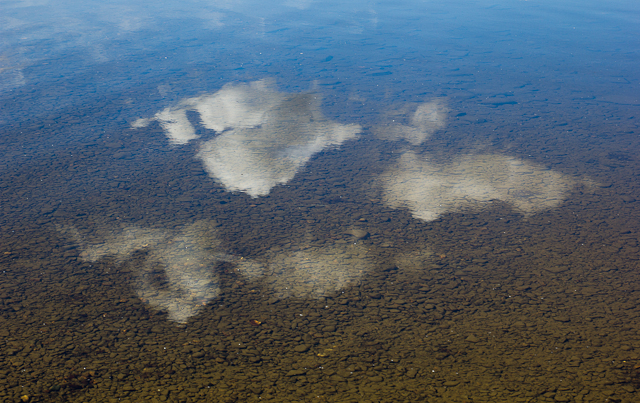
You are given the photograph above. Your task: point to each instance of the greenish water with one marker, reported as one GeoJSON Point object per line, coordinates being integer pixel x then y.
{"type": "Point", "coordinates": [318, 202]}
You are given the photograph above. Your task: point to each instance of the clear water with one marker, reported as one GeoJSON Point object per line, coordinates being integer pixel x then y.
{"type": "Point", "coordinates": [319, 201]}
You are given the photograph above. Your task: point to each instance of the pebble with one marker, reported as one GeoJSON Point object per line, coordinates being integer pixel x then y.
{"type": "Point", "coordinates": [301, 348]}
{"type": "Point", "coordinates": [472, 339]}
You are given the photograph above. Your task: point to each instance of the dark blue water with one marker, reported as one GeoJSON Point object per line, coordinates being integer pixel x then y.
{"type": "Point", "coordinates": [319, 201]}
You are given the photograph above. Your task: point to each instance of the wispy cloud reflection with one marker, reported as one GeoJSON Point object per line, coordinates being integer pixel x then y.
{"type": "Point", "coordinates": [430, 189]}
{"type": "Point", "coordinates": [11, 75]}
{"type": "Point", "coordinates": [427, 118]}
{"type": "Point", "coordinates": [177, 275]}
{"type": "Point", "coordinates": [123, 244]}
{"type": "Point", "coordinates": [312, 272]}
{"type": "Point", "coordinates": [175, 270]}
{"type": "Point", "coordinates": [265, 137]}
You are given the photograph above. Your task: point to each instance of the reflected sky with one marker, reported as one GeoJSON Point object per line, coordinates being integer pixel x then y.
{"type": "Point", "coordinates": [251, 137]}
{"type": "Point", "coordinates": [177, 273]}
{"type": "Point", "coordinates": [125, 96]}
{"type": "Point", "coordinates": [424, 121]}
{"type": "Point", "coordinates": [430, 189]}
{"type": "Point", "coordinates": [311, 272]}
{"type": "Point", "coordinates": [264, 136]}
{"type": "Point", "coordinates": [176, 270]}
{"type": "Point", "coordinates": [316, 194]}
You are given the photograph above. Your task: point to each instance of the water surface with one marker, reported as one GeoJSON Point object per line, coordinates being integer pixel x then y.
{"type": "Point", "coordinates": [313, 201]}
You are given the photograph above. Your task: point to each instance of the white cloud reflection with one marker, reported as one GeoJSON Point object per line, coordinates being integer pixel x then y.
{"type": "Point", "coordinates": [10, 76]}
{"type": "Point", "coordinates": [310, 272]}
{"type": "Point", "coordinates": [299, 4]}
{"type": "Point", "coordinates": [431, 189]}
{"type": "Point", "coordinates": [177, 275]}
{"type": "Point", "coordinates": [428, 118]}
{"type": "Point", "coordinates": [265, 136]}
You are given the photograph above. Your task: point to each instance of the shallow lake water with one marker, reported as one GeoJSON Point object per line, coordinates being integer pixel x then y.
{"type": "Point", "coordinates": [310, 201]}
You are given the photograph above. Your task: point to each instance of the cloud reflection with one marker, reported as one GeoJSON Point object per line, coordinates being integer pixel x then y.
{"type": "Point", "coordinates": [177, 275]}
{"type": "Point", "coordinates": [175, 270]}
{"type": "Point", "coordinates": [431, 189]}
{"type": "Point", "coordinates": [11, 75]}
{"type": "Point", "coordinates": [311, 272]}
{"type": "Point", "coordinates": [428, 118]}
{"type": "Point", "coordinates": [265, 136]}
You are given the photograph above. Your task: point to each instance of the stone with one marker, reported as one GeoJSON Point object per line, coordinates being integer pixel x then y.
{"type": "Point", "coordinates": [358, 233]}
{"type": "Point", "coordinates": [301, 348]}
{"type": "Point", "coordinates": [472, 339]}
{"type": "Point", "coordinates": [296, 372]}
